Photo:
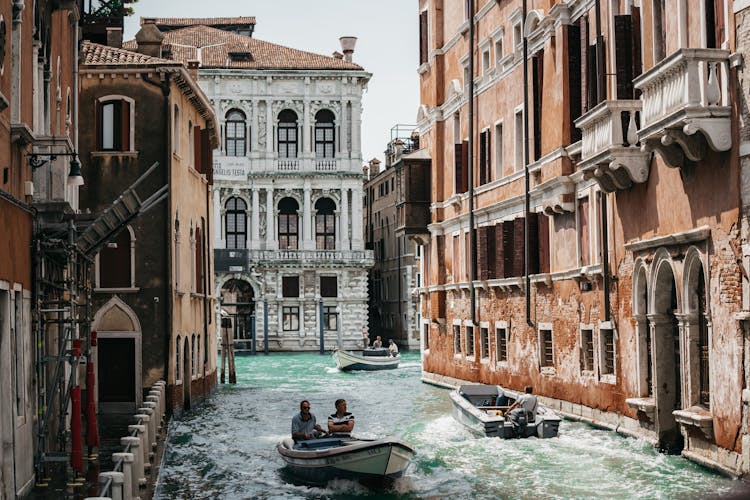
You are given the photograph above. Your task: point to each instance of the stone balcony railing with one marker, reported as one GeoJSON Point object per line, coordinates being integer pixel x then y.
{"type": "Point", "coordinates": [682, 95]}
{"type": "Point", "coordinates": [235, 168]}
{"type": "Point", "coordinates": [609, 150]}
{"type": "Point", "coordinates": [241, 260]}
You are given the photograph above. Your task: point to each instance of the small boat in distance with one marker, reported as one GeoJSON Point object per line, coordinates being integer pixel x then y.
{"type": "Point", "coordinates": [476, 407]}
{"type": "Point", "coordinates": [369, 359]}
{"type": "Point", "coordinates": [319, 460]}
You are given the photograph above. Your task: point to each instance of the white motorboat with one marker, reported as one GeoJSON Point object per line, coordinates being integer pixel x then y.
{"type": "Point", "coordinates": [368, 359]}
{"type": "Point", "coordinates": [319, 460]}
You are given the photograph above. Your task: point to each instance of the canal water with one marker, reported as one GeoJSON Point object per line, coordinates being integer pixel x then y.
{"type": "Point", "coordinates": [226, 448]}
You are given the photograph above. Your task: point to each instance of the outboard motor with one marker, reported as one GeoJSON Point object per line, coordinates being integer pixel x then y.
{"type": "Point", "coordinates": [519, 420]}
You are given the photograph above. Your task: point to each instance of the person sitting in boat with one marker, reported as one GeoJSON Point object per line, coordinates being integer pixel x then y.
{"type": "Point", "coordinates": [340, 423]}
{"type": "Point", "coordinates": [377, 343]}
{"type": "Point", "coordinates": [392, 348]}
{"type": "Point", "coordinates": [524, 407]}
{"type": "Point", "coordinates": [304, 425]}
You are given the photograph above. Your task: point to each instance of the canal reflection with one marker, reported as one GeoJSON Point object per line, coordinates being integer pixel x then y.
{"type": "Point", "coordinates": [226, 448]}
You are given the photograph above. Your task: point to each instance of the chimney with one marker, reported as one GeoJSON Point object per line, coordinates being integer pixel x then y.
{"type": "Point", "coordinates": [337, 55]}
{"type": "Point", "coordinates": [347, 46]}
{"type": "Point", "coordinates": [374, 167]}
{"type": "Point", "coordinates": [114, 37]}
{"type": "Point", "coordinates": [149, 39]}
{"type": "Point", "coordinates": [192, 67]}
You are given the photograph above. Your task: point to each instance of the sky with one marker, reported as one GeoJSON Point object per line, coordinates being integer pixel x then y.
{"type": "Point", "coordinates": [387, 45]}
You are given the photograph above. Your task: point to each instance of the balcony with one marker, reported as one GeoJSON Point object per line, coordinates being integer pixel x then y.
{"type": "Point", "coordinates": [240, 168]}
{"type": "Point", "coordinates": [609, 150]}
{"type": "Point", "coordinates": [312, 258]}
{"type": "Point", "coordinates": [686, 106]}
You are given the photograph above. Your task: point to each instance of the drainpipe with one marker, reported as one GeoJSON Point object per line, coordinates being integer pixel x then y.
{"type": "Point", "coordinates": [527, 180]}
{"type": "Point", "coordinates": [472, 244]}
{"type": "Point", "coordinates": [600, 96]}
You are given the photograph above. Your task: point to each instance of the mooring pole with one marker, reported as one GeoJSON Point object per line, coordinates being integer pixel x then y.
{"type": "Point", "coordinates": [265, 326]}
{"type": "Point", "coordinates": [252, 331]}
{"type": "Point", "coordinates": [320, 322]}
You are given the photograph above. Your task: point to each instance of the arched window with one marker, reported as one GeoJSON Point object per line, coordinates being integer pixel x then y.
{"type": "Point", "coordinates": [325, 224]}
{"type": "Point", "coordinates": [287, 131]}
{"type": "Point", "coordinates": [703, 344]}
{"type": "Point", "coordinates": [113, 124]}
{"type": "Point", "coordinates": [325, 134]}
{"type": "Point", "coordinates": [236, 223]}
{"type": "Point", "coordinates": [115, 266]}
{"type": "Point", "coordinates": [235, 137]}
{"type": "Point", "coordinates": [288, 226]}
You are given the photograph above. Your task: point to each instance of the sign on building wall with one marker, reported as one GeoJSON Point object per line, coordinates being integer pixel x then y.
{"type": "Point", "coordinates": [232, 170]}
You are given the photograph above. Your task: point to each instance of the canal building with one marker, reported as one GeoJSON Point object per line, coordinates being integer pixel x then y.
{"type": "Point", "coordinates": [586, 234]}
{"type": "Point", "coordinates": [388, 205]}
{"type": "Point", "coordinates": [287, 191]}
{"type": "Point", "coordinates": [150, 130]}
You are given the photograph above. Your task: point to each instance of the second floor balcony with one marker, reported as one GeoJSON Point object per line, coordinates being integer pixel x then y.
{"type": "Point", "coordinates": [686, 105]}
{"type": "Point", "coordinates": [234, 168]}
{"type": "Point", "coordinates": [609, 149]}
{"type": "Point", "coordinates": [242, 260]}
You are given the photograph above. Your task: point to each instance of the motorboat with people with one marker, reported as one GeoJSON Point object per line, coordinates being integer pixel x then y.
{"type": "Point", "coordinates": [343, 457]}
{"type": "Point", "coordinates": [372, 358]}
{"type": "Point", "coordinates": [483, 409]}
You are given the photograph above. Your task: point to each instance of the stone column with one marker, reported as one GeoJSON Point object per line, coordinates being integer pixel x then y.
{"type": "Point", "coordinates": [307, 239]}
{"type": "Point", "coordinates": [219, 220]}
{"type": "Point", "coordinates": [255, 221]}
{"type": "Point", "coordinates": [357, 238]}
{"type": "Point", "coordinates": [343, 130]}
{"type": "Point", "coordinates": [356, 130]}
{"type": "Point", "coordinates": [270, 120]}
{"type": "Point", "coordinates": [306, 139]}
{"type": "Point", "coordinates": [254, 128]}
{"type": "Point", "coordinates": [344, 218]}
{"type": "Point", "coordinates": [270, 230]}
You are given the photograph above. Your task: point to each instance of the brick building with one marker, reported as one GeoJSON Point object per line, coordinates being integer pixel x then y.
{"type": "Point", "coordinates": [602, 196]}
{"type": "Point", "coordinates": [152, 302]}
{"type": "Point", "coordinates": [288, 183]}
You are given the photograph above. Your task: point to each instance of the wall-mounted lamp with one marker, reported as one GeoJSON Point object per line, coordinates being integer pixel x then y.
{"type": "Point", "coordinates": [74, 176]}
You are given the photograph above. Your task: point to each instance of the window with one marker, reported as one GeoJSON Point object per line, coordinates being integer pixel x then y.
{"type": "Point", "coordinates": [178, 364]}
{"type": "Point", "coordinates": [193, 357]}
{"type": "Point", "coordinates": [498, 53]}
{"type": "Point", "coordinates": [287, 130]}
{"type": "Point", "coordinates": [236, 223]}
{"type": "Point", "coordinates": [328, 286]}
{"type": "Point", "coordinates": [469, 341]}
{"type": "Point", "coordinates": [199, 260]}
{"type": "Point", "coordinates": [498, 150]}
{"type": "Point", "coordinates": [484, 343]}
{"type": "Point", "coordinates": [517, 36]}
{"type": "Point", "coordinates": [607, 339]}
{"type": "Point", "coordinates": [325, 134]}
{"type": "Point", "coordinates": [114, 124]}
{"type": "Point", "coordinates": [177, 253]}
{"type": "Point", "coordinates": [325, 224]}
{"type": "Point", "coordinates": [584, 237]}
{"type": "Point", "coordinates": [484, 157]}
{"type": "Point", "coordinates": [703, 345]}
{"type": "Point", "coordinates": [290, 318]}
{"type": "Point", "coordinates": [659, 20]}
{"type": "Point", "coordinates": [501, 344]}
{"type": "Point", "coordinates": [587, 349]}
{"type": "Point", "coordinates": [330, 318]}
{"type": "Point", "coordinates": [518, 156]}
{"type": "Point", "coordinates": [546, 348]}
{"type": "Point", "coordinates": [426, 335]}
{"type": "Point", "coordinates": [288, 223]}
{"type": "Point", "coordinates": [235, 136]}
{"type": "Point", "coordinates": [456, 339]}
{"type": "Point", "coordinates": [116, 261]}
{"type": "Point", "coordinates": [485, 61]}
{"type": "Point", "coordinates": [176, 129]}
{"type": "Point", "coordinates": [423, 37]}
{"type": "Point", "coordinates": [290, 286]}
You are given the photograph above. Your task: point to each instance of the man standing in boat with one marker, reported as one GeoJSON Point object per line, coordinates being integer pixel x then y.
{"type": "Point", "coordinates": [304, 425]}
{"type": "Point", "coordinates": [524, 409]}
{"type": "Point", "coordinates": [341, 422]}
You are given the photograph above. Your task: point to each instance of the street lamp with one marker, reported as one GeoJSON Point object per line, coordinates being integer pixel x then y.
{"type": "Point", "coordinates": [75, 178]}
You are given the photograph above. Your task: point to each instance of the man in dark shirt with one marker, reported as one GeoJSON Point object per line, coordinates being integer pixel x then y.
{"type": "Point", "coordinates": [304, 425]}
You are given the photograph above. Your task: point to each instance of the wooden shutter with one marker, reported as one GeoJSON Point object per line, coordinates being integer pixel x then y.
{"type": "Point", "coordinates": [197, 164]}
{"type": "Point", "coordinates": [488, 156]}
{"type": "Point", "coordinates": [719, 30]}
{"type": "Point", "coordinates": [198, 260]}
{"type": "Point", "coordinates": [124, 126]}
{"type": "Point", "coordinates": [423, 40]}
{"type": "Point", "coordinates": [482, 156]}
{"type": "Point", "coordinates": [458, 156]}
{"type": "Point", "coordinates": [635, 23]}
{"type": "Point", "coordinates": [207, 156]}
{"type": "Point", "coordinates": [624, 56]}
{"type": "Point", "coordinates": [583, 224]}
{"type": "Point", "coordinates": [584, 44]}
{"type": "Point", "coordinates": [591, 76]}
{"type": "Point", "coordinates": [504, 249]}
{"type": "Point", "coordinates": [465, 169]}
{"type": "Point", "coordinates": [518, 247]}
{"type": "Point", "coordinates": [574, 79]}
{"type": "Point", "coordinates": [533, 243]}
{"type": "Point", "coordinates": [601, 73]}
{"type": "Point", "coordinates": [468, 256]}
{"type": "Point", "coordinates": [537, 82]}
{"type": "Point", "coordinates": [543, 238]}
{"type": "Point", "coordinates": [482, 253]}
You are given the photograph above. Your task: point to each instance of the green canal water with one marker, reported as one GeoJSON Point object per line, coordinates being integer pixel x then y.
{"type": "Point", "coordinates": [226, 447]}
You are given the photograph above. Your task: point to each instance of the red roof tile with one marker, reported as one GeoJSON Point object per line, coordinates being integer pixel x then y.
{"type": "Point", "coordinates": [96, 54]}
{"type": "Point", "coordinates": [206, 21]}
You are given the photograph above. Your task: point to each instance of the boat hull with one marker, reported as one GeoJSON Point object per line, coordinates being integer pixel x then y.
{"type": "Point", "coordinates": [492, 424]}
{"type": "Point", "coordinates": [347, 361]}
{"type": "Point", "coordinates": [354, 459]}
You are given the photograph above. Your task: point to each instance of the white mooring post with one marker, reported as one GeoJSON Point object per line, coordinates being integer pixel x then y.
{"type": "Point", "coordinates": [151, 428]}
{"type": "Point", "coordinates": [117, 483]}
{"type": "Point", "coordinates": [139, 473]}
{"type": "Point", "coordinates": [142, 434]}
{"type": "Point", "coordinates": [130, 485]}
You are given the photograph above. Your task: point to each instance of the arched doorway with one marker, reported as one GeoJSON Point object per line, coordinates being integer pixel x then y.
{"type": "Point", "coordinates": [238, 305]}
{"type": "Point", "coordinates": [667, 358]}
{"type": "Point", "coordinates": [118, 358]}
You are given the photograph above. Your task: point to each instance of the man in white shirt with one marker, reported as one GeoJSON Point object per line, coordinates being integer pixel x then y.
{"type": "Point", "coordinates": [341, 422]}
{"type": "Point", "coordinates": [525, 404]}
{"type": "Point", "coordinates": [392, 348]}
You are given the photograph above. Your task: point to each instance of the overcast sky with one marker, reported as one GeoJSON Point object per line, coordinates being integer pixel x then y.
{"type": "Point", "coordinates": [387, 45]}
